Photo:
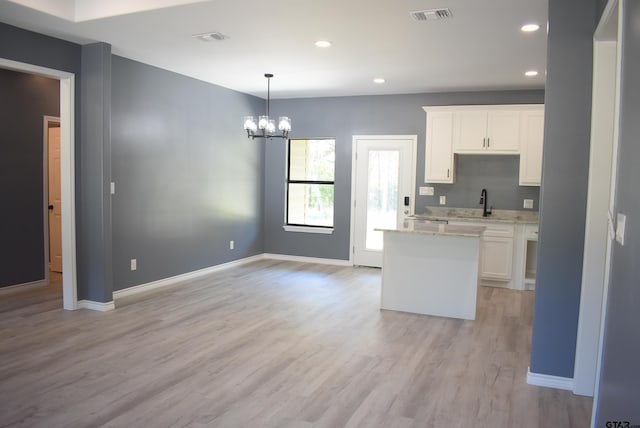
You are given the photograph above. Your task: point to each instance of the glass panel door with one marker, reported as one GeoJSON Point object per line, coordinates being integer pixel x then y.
{"type": "Point", "coordinates": [384, 176]}
{"type": "Point", "coordinates": [382, 195]}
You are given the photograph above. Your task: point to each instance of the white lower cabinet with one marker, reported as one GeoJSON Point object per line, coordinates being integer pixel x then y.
{"type": "Point", "coordinates": [496, 258]}
{"type": "Point", "coordinates": [507, 254]}
{"type": "Point", "coordinates": [496, 253]}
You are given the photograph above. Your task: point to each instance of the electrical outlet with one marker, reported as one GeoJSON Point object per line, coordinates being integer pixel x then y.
{"type": "Point", "coordinates": [231, 245]}
{"type": "Point", "coordinates": [134, 264]}
{"type": "Point", "coordinates": [528, 203]}
{"type": "Point", "coordinates": [425, 191]}
{"type": "Point", "coordinates": [443, 200]}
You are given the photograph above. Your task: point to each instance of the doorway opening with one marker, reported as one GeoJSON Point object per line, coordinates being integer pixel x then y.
{"type": "Point", "coordinates": [53, 200]}
{"type": "Point", "coordinates": [67, 173]}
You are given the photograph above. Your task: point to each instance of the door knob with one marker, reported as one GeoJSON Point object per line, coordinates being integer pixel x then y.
{"type": "Point", "coordinates": [50, 207]}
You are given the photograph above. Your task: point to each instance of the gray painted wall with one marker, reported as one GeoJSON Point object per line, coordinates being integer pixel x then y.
{"type": "Point", "coordinates": [37, 49]}
{"type": "Point", "coordinates": [25, 100]}
{"type": "Point", "coordinates": [564, 186]}
{"type": "Point", "coordinates": [343, 117]}
{"type": "Point", "coordinates": [620, 376]}
{"type": "Point", "coordinates": [94, 231]}
{"type": "Point", "coordinates": [32, 48]}
{"type": "Point", "coordinates": [498, 174]}
{"type": "Point", "coordinates": [188, 180]}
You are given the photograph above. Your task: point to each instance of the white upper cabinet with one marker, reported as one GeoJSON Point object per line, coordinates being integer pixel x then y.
{"type": "Point", "coordinates": [503, 131]}
{"type": "Point", "coordinates": [481, 130]}
{"type": "Point", "coordinates": [490, 130]}
{"type": "Point", "coordinates": [470, 131]}
{"type": "Point", "coordinates": [531, 141]}
{"type": "Point", "coordinates": [439, 152]}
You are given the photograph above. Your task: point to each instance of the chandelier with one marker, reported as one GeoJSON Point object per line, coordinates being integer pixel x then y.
{"type": "Point", "coordinates": [265, 127]}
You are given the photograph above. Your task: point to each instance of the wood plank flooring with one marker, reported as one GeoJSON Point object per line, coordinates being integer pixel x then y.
{"type": "Point", "coordinates": [272, 344]}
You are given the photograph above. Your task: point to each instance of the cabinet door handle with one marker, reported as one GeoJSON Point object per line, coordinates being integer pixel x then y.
{"type": "Point", "coordinates": [448, 172]}
{"type": "Point", "coordinates": [484, 141]}
{"type": "Point", "coordinates": [488, 142]}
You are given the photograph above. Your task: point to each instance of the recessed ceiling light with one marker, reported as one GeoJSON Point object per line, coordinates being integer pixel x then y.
{"type": "Point", "coordinates": [531, 73]}
{"type": "Point", "coordinates": [378, 80]}
{"type": "Point", "coordinates": [323, 43]}
{"type": "Point", "coordinates": [528, 28]}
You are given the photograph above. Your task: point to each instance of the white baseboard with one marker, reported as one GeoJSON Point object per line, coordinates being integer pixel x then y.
{"type": "Point", "coordinates": [183, 277]}
{"type": "Point", "coordinates": [96, 306]}
{"type": "Point", "coordinates": [549, 381]}
{"type": "Point", "coordinates": [24, 286]}
{"type": "Point", "coordinates": [303, 259]}
{"type": "Point", "coordinates": [142, 288]}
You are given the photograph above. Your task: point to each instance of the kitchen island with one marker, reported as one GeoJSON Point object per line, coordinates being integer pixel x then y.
{"type": "Point", "coordinates": [431, 269]}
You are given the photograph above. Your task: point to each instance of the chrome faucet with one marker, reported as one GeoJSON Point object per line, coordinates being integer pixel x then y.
{"type": "Point", "coordinates": [483, 201]}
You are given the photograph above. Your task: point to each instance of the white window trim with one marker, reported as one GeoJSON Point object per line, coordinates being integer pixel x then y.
{"type": "Point", "coordinates": [308, 229]}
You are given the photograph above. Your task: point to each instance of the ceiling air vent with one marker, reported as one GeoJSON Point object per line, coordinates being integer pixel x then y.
{"type": "Point", "coordinates": [431, 14]}
{"type": "Point", "coordinates": [210, 37]}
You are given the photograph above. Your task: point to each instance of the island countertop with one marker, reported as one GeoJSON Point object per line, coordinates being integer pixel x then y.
{"type": "Point", "coordinates": [428, 228]}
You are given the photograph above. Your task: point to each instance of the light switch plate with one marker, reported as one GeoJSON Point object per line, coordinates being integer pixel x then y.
{"type": "Point", "coordinates": [620, 226]}
{"type": "Point", "coordinates": [443, 200]}
{"type": "Point", "coordinates": [528, 203]}
{"type": "Point", "coordinates": [113, 188]}
{"type": "Point", "coordinates": [134, 264]}
{"type": "Point", "coordinates": [425, 191]}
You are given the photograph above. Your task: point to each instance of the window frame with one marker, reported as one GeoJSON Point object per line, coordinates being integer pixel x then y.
{"type": "Point", "coordinates": [297, 227]}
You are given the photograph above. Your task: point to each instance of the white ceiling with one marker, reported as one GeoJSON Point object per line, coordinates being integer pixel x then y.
{"type": "Point", "coordinates": [480, 48]}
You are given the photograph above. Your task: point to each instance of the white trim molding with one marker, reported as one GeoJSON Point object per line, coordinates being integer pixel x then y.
{"type": "Point", "coordinates": [303, 259]}
{"type": "Point", "coordinates": [308, 229]}
{"type": "Point", "coordinates": [67, 172]}
{"type": "Point", "coordinates": [96, 306]}
{"type": "Point", "coordinates": [549, 381]}
{"type": "Point", "coordinates": [183, 277]}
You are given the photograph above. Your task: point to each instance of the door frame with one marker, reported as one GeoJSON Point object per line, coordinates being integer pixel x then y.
{"type": "Point", "coordinates": [354, 142]}
{"type": "Point", "coordinates": [600, 198]}
{"type": "Point", "coordinates": [46, 121]}
{"type": "Point", "coordinates": [67, 172]}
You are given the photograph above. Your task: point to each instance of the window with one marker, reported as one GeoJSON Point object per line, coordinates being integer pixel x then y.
{"type": "Point", "coordinates": [310, 183]}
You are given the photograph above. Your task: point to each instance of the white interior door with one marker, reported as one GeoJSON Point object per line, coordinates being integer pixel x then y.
{"type": "Point", "coordinates": [55, 205]}
{"type": "Point", "coordinates": [383, 192]}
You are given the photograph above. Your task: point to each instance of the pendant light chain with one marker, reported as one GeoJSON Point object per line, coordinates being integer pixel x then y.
{"type": "Point", "coordinates": [268, 92]}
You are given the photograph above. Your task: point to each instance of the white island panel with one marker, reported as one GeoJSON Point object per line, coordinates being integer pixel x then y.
{"type": "Point", "coordinates": [430, 274]}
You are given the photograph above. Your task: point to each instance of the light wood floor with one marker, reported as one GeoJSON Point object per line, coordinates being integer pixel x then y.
{"type": "Point", "coordinates": [275, 344]}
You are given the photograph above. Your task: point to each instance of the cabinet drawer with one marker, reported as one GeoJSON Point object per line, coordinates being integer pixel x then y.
{"type": "Point", "coordinates": [490, 229]}
{"type": "Point", "coordinates": [530, 232]}
{"type": "Point", "coordinates": [499, 230]}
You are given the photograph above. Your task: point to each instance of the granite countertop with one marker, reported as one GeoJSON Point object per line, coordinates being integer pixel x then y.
{"type": "Point", "coordinates": [427, 228]}
{"type": "Point", "coordinates": [475, 214]}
